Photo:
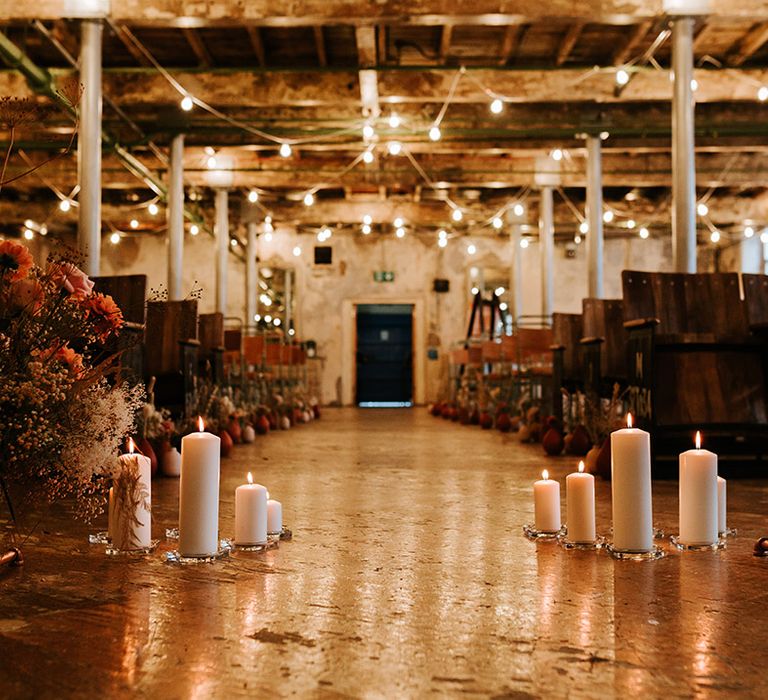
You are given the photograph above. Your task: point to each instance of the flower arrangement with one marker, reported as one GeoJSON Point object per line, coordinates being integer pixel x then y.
{"type": "Point", "coordinates": [61, 419]}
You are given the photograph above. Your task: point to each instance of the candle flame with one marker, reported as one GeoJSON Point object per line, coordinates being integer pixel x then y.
{"type": "Point", "coordinates": [698, 439]}
{"type": "Point", "coordinates": [200, 424]}
{"type": "Point", "coordinates": [545, 475]}
{"type": "Point", "coordinates": [131, 446]}
{"type": "Point", "coordinates": [250, 478]}
{"type": "Point", "coordinates": [581, 466]}
{"type": "Point", "coordinates": [629, 420]}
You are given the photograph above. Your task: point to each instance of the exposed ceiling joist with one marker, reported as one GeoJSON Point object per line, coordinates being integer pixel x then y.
{"type": "Point", "coordinates": [254, 35]}
{"type": "Point", "coordinates": [513, 35]}
{"type": "Point", "coordinates": [624, 51]}
{"type": "Point", "coordinates": [198, 47]}
{"type": "Point", "coordinates": [129, 42]}
{"type": "Point", "coordinates": [322, 58]}
{"type": "Point", "coordinates": [445, 42]}
{"type": "Point", "coordinates": [751, 43]}
{"type": "Point", "coordinates": [568, 42]}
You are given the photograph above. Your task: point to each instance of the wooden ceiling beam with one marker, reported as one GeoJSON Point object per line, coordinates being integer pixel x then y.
{"type": "Point", "coordinates": [569, 41]}
{"type": "Point", "coordinates": [513, 35]}
{"type": "Point", "coordinates": [445, 43]}
{"type": "Point", "coordinates": [751, 43]}
{"type": "Point", "coordinates": [424, 12]}
{"type": "Point", "coordinates": [322, 58]}
{"type": "Point", "coordinates": [126, 38]}
{"type": "Point", "coordinates": [198, 47]}
{"type": "Point", "coordinates": [624, 51]}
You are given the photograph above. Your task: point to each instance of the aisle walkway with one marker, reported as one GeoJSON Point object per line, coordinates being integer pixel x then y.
{"type": "Point", "coordinates": [408, 577]}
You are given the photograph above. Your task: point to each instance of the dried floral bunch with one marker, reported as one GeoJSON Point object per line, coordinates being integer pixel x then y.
{"type": "Point", "coordinates": [61, 420]}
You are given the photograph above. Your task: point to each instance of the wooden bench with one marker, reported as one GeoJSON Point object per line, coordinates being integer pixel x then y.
{"type": "Point", "coordinates": [604, 345]}
{"type": "Point", "coordinates": [567, 366]}
{"type": "Point", "coordinates": [693, 363]}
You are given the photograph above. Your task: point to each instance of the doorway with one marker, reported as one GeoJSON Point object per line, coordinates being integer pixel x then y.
{"type": "Point", "coordinates": [384, 355]}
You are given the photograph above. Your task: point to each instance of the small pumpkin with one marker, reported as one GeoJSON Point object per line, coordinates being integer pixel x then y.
{"type": "Point", "coordinates": [553, 442]}
{"type": "Point", "coordinates": [226, 443]}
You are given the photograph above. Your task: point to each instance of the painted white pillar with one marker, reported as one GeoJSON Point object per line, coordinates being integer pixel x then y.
{"type": "Point", "coordinates": [288, 300]}
{"type": "Point", "coordinates": [683, 155]}
{"type": "Point", "coordinates": [175, 218]}
{"type": "Point", "coordinates": [89, 147]}
{"type": "Point", "coordinates": [515, 274]}
{"type": "Point", "coordinates": [594, 217]}
{"type": "Point", "coordinates": [222, 248]}
{"type": "Point", "coordinates": [252, 275]}
{"type": "Point", "coordinates": [546, 252]}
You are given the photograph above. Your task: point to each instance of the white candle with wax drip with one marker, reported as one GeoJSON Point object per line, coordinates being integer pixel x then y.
{"type": "Point", "coordinates": [698, 496]}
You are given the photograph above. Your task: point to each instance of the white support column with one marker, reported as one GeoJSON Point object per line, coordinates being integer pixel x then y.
{"type": "Point", "coordinates": [288, 299]}
{"type": "Point", "coordinates": [251, 275]}
{"type": "Point", "coordinates": [175, 218]}
{"type": "Point", "coordinates": [683, 155]}
{"type": "Point", "coordinates": [515, 274]}
{"type": "Point", "coordinates": [89, 147]}
{"type": "Point", "coordinates": [594, 217]}
{"type": "Point", "coordinates": [222, 249]}
{"type": "Point", "coordinates": [546, 251]}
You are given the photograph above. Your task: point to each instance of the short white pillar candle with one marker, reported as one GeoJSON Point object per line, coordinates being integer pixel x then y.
{"type": "Point", "coordinates": [722, 503]}
{"type": "Point", "coordinates": [199, 494]}
{"type": "Point", "coordinates": [274, 516]}
{"type": "Point", "coordinates": [131, 516]}
{"type": "Point", "coordinates": [698, 496]}
{"type": "Point", "coordinates": [631, 489]}
{"type": "Point", "coordinates": [546, 504]}
{"type": "Point", "coordinates": [580, 506]}
{"type": "Point", "coordinates": [250, 513]}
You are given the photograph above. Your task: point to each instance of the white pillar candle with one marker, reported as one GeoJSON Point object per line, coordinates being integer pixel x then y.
{"type": "Point", "coordinates": [698, 496]}
{"type": "Point", "coordinates": [199, 494]}
{"type": "Point", "coordinates": [580, 506]}
{"type": "Point", "coordinates": [171, 462]}
{"type": "Point", "coordinates": [546, 504]}
{"type": "Point", "coordinates": [250, 513]}
{"type": "Point", "coordinates": [631, 489]}
{"type": "Point", "coordinates": [722, 501]}
{"type": "Point", "coordinates": [131, 516]}
{"type": "Point", "coordinates": [274, 516]}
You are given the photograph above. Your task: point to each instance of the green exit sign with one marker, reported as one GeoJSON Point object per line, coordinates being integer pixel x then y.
{"type": "Point", "coordinates": [383, 276]}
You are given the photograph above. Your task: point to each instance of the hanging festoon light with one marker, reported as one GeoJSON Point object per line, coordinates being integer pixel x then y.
{"type": "Point", "coordinates": [29, 234]}
{"type": "Point", "coordinates": [457, 214]}
{"type": "Point", "coordinates": [394, 121]}
{"type": "Point", "coordinates": [366, 229]}
{"type": "Point", "coordinates": [368, 132]}
{"type": "Point", "coordinates": [749, 231]}
{"type": "Point", "coordinates": [434, 133]}
{"type": "Point", "coordinates": [400, 232]}
{"type": "Point", "coordinates": [442, 242]}
{"type": "Point", "coordinates": [622, 77]}
{"type": "Point", "coordinates": [764, 236]}
{"type": "Point", "coordinates": [211, 162]}
{"type": "Point", "coordinates": [577, 239]}
{"type": "Point", "coordinates": [309, 199]}
{"type": "Point", "coordinates": [368, 156]}
{"type": "Point", "coordinates": [499, 291]}
{"type": "Point", "coordinates": [518, 209]}
{"type": "Point", "coordinates": [762, 93]}
{"type": "Point", "coordinates": [694, 84]}
{"type": "Point", "coordinates": [631, 223]}
{"type": "Point", "coordinates": [187, 103]}
{"type": "Point", "coordinates": [584, 227]}
{"type": "Point", "coordinates": [702, 209]}
{"type": "Point", "coordinates": [285, 150]}
{"type": "Point", "coordinates": [524, 242]}
{"type": "Point", "coordinates": [114, 239]}
{"type": "Point", "coordinates": [643, 232]}
{"type": "Point", "coordinates": [608, 216]}
{"type": "Point", "coordinates": [233, 242]}
{"type": "Point", "coordinates": [471, 249]}
{"type": "Point", "coordinates": [715, 236]}
{"type": "Point", "coordinates": [253, 196]}
{"type": "Point", "coordinates": [394, 148]}
{"type": "Point", "coordinates": [134, 223]}
{"type": "Point", "coordinates": [398, 222]}
{"type": "Point", "coordinates": [367, 219]}
{"type": "Point", "coordinates": [497, 106]}
{"type": "Point", "coordinates": [194, 229]}
{"type": "Point", "coordinates": [557, 154]}
{"type": "Point", "coordinates": [497, 222]}
{"type": "Point", "coordinates": [153, 209]}
{"type": "Point", "coordinates": [65, 205]}
{"type": "Point", "coordinates": [297, 251]}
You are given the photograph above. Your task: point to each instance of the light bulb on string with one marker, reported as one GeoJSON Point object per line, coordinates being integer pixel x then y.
{"type": "Point", "coordinates": [211, 162]}
{"type": "Point", "coordinates": [134, 223]}
{"type": "Point", "coordinates": [764, 236]}
{"type": "Point", "coordinates": [296, 251]}
{"type": "Point", "coordinates": [400, 232]}
{"type": "Point", "coordinates": [749, 231]}
{"type": "Point", "coordinates": [518, 209]}
{"type": "Point", "coordinates": [153, 209]}
{"type": "Point", "coordinates": [524, 242]}
{"type": "Point", "coordinates": [65, 205]}
{"type": "Point", "coordinates": [187, 103]}
{"type": "Point", "coordinates": [29, 234]}
{"type": "Point", "coordinates": [694, 85]}
{"type": "Point", "coordinates": [584, 227]}
{"type": "Point", "coordinates": [394, 120]}
{"type": "Point", "coordinates": [457, 214]}
{"type": "Point", "coordinates": [285, 150]}
{"type": "Point", "coordinates": [434, 133]}
{"type": "Point", "coordinates": [233, 242]}
{"type": "Point", "coordinates": [394, 148]}
{"type": "Point", "coordinates": [253, 196]}
{"type": "Point", "coordinates": [194, 229]}
{"type": "Point", "coordinates": [366, 229]}
{"type": "Point", "coordinates": [442, 242]}
{"type": "Point", "coordinates": [398, 222]}
{"type": "Point", "coordinates": [762, 93]}
{"type": "Point", "coordinates": [497, 106]}
{"type": "Point", "coordinates": [702, 209]}
{"type": "Point", "coordinates": [367, 219]}
{"type": "Point", "coordinates": [368, 132]}
{"type": "Point", "coordinates": [577, 239]}
{"type": "Point", "coordinates": [644, 233]}
{"type": "Point", "coordinates": [114, 239]}
{"type": "Point", "coordinates": [471, 249]}
{"type": "Point", "coordinates": [497, 222]}
{"type": "Point", "coordinates": [499, 291]}
{"type": "Point", "coordinates": [268, 236]}
{"type": "Point", "coordinates": [622, 77]}
{"type": "Point", "coordinates": [43, 230]}
{"type": "Point", "coordinates": [442, 233]}
{"type": "Point", "coordinates": [631, 223]}
{"type": "Point", "coordinates": [715, 236]}
{"type": "Point", "coordinates": [309, 199]}
{"type": "Point", "coordinates": [608, 216]}
{"type": "Point", "coordinates": [557, 154]}
{"type": "Point", "coordinates": [368, 156]}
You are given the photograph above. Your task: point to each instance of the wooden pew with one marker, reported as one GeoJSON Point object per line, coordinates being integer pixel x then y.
{"type": "Point", "coordinates": [604, 344]}
{"type": "Point", "coordinates": [567, 366]}
{"type": "Point", "coordinates": [211, 337]}
{"type": "Point", "coordinates": [693, 363]}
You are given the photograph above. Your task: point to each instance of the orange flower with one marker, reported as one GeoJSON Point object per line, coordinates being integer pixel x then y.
{"type": "Point", "coordinates": [15, 260]}
{"type": "Point", "coordinates": [66, 355]}
{"type": "Point", "coordinates": [26, 294]}
{"type": "Point", "coordinates": [109, 318]}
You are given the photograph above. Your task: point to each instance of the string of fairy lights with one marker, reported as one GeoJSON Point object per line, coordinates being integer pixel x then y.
{"type": "Point", "coordinates": [374, 145]}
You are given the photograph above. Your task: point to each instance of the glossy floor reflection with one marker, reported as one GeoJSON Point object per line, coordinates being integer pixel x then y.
{"type": "Point", "coordinates": [408, 576]}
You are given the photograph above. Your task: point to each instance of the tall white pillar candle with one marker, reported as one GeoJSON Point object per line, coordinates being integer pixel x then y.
{"type": "Point", "coordinates": [722, 502]}
{"type": "Point", "coordinates": [580, 506]}
{"type": "Point", "coordinates": [131, 516]}
{"type": "Point", "coordinates": [199, 494]}
{"type": "Point", "coordinates": [250, 513]}
{"type": "Point", "coordinates": [631, 489]}
{"type": "Point", "coordinates": [546, 503]}
{"type": "Point", "coordinates": [274, 516]}
{"type": "Point", "coordinates": [698, 496]}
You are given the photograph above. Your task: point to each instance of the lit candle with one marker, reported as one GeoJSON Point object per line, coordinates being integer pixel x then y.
{"type": "Point", "coordinates": [580, 506]}
{"type": "Point", "coordinates": [546, 503]}
{"type": "Point", "coordinates": [199, 494]}
{"type": "Point", "coordinates": [722, 525]}
{"type": "Point", "coordinates": [631, 489]}
{"type": "Point", "coordinates": [698, 496]}
{"type": "Point", "coordinates": [274, 516]}
{"type": "Point", "coordinates": [250, 513]}
{"type": "Point", "coordinates": [131, 498]}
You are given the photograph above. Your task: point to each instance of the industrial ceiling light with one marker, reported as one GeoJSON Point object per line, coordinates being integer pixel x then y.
{"type": "Point", "coordinates": [497, 106]}
{"type": "Point", "coordinates": [114, 239]}
{"type": "Point", "coordinates": [702, 209]}
{"type": "Point", "coordinates": [285, 150]}
{"type": "Point", "coordinates": [644, 233]}
{"type": "Point", "coordinates": [622, 77]}
{"type": "Point", "coordinates": [309, 199]}
{"type": "Point", "coordinates": [186, 103]}
{"type": "Point", "coordinates": [253, 196]}
{"type": "Point", "coordinates": [394, 148]}
{"type": "Point", "coordinates": [497, 222]}
{"type": "Point", "coordinates": [434, 133]}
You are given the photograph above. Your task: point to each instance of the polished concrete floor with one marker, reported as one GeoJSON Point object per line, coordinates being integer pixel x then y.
{"type": "Point", "coordinates": [408, 576]}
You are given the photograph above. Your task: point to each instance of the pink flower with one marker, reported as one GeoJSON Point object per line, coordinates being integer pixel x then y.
{"type": "Point", "coordinates": [71, 278]}
{"type": "Point", "coordinates": [26, 294]}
